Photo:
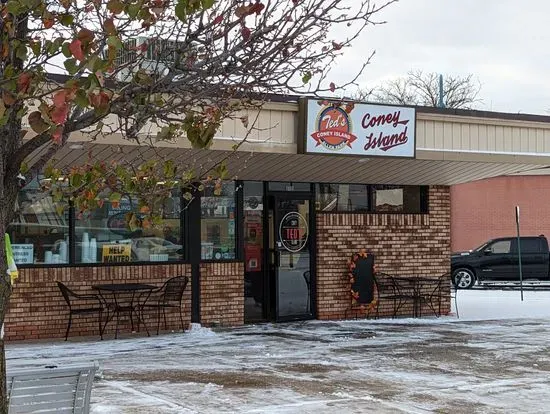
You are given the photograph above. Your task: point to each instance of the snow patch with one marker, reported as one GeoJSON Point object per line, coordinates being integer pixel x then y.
{"type": "Point", "coordinates": [197, 330]}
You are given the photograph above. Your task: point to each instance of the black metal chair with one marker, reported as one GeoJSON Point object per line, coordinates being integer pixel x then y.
{"type": "Point", "coordinates": [80, 305]}
{"type": "Point", "coordinates": [169, 295]}
{"type": "Point", "coordinates": [454, 292]}
{"type": "Point", "coordinates": [434, 293]}
{"type": "Point", "coordinates": [388, 288]}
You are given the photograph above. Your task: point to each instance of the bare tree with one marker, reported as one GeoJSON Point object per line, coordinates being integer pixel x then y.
{"type": "Point", "coordinates": [420, 88]}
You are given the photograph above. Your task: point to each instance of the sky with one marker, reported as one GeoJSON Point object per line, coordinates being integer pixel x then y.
{"type": "Point", "coordinates": [505, 44]}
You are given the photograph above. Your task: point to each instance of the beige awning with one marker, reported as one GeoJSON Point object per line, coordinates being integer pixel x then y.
{"type": "Point", "coordinates": [301, 167]}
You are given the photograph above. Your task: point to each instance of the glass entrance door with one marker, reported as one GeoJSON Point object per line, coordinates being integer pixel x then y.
{"type": "Point", "coordinates": [291, 256]}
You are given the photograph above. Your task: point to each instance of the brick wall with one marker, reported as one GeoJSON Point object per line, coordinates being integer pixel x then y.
{"type": "Point", "coordinates": [485, 209]}
{"type": "Point", "coordinates": [38, 310]}
{"type": "Point", "coordinates": [404, 244]}
{"type": "Point", "coordinates": [222, 294]}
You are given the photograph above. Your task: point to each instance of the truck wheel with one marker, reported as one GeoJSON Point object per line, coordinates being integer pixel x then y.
{"type": "Point", "coordinates": [463, 278]}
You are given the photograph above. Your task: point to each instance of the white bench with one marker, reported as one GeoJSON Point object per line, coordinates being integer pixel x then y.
{"type": "Point", "coordinates": [45, 390]}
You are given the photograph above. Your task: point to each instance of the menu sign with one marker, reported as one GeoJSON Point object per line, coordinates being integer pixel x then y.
{"type": "Point", "coordinates": [347, 128]}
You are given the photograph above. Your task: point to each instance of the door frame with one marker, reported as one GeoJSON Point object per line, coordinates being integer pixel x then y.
{"type": "Point", "coordinates": [271, 287]}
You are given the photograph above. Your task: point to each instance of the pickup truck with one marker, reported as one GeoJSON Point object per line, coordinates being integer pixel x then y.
{"type": "Point", "coordinates": [498, 260]}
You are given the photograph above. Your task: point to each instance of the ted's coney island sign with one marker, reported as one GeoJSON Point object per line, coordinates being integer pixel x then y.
{"type": "Point", "coordinates": [346, 128]}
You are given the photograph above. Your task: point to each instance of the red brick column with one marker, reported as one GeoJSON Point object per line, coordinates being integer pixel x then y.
{"type": "Point", "coordinates": [222, 294]}
{"type": "Point", "coordinates": [404, 244]}
{"type": "Point", "coordinates": [37, 309]}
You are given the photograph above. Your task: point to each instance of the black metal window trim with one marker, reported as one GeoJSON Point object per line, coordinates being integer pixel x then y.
{"type": "Point", "coordinates": [424, 200]}
{"type": "Point", "coordinates": [184, 234]}
{"type": "Point", "coordinates": [239, 216]}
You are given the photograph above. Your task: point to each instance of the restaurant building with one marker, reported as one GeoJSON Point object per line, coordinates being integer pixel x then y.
{"type": "Point", "coordinates": [314, 182]}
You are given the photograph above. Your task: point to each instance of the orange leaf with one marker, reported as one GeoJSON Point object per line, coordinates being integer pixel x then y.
{"type": "Point", "coordinates": [76, 49]}
{"type": "Point", "coordinates": [144, 209]}
{"type": "Point", "coordinates": [109, 27]}
{"type": "Point", "coordinates": [146, 223]}
{"type": "Point", "coordinates": [85, 36]}
{"type": "Point", "coordinates": [48, 22]}
{"type": "Point", "coordinates": [115, 204]}
{"type": "Point", "coordinates": [23, 82]}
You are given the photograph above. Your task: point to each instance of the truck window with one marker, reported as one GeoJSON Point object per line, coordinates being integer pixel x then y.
{"type": "Point", "coordinates": [500, 247]}
{"type": "Point", "coordinates": [530, 245]}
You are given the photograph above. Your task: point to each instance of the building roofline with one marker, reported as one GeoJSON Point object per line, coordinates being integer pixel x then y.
{"type": "Point", "coordinates": [472, 113]}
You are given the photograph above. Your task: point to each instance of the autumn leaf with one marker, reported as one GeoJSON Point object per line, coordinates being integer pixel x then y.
{"type": "Point", "coordinates": [115, 6]}
{"type": "Point", "coordinates": [60, 109]}
{"type": "Point", "coordinates": [24, 82]}
{"type": "Point", "coordinates": [59, 98]}
{"type": "Point", "coordinates": [332, 87]}
{"type": "Point", "coordinates": [244, 120]}
{"type": "Point", "coordinates": [8, 98]}
{"type": "Point", "coordinates": [245, 31]}
{"type": "Point", "coordinates": [76, 49]}
{"type": "Point", "coordinates": [86, 37]}
{"type": "Point", "coordinates": [145, 210]}
{"type": "Point", "coordinates": [218, 20]}
{"type": "Point", "coordinates": [109, 27]}
{"type": "Point", "coordinates": [146, 223]}
{"type": "Point", "coordinates": [57, 134]}
{"type": "Point", "coordinates": [242, 11]}
{"type": "Point", "coordinates": [59, 113]}
{"type": "Point", "coordinates": [48, 22]}
{"type": "Point", "coordinates": [336, 46]}
{"type": "Point", "coordinates": [100, 101]}
{"type": "Point", "coordinates": [36, 122]}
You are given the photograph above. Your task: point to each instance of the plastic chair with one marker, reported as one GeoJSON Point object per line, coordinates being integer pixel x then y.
{"type": "Point", "coordinates": [80, 305]}
{"type": "Point", "coordinates": [169, 295]}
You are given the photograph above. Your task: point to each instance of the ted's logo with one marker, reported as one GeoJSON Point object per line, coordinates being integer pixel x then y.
{"type": "Point", "coordinates": [334, 127]}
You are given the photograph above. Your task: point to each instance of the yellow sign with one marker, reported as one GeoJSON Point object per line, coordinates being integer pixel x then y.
{"type": "Point", "coordinates": [117, 253]}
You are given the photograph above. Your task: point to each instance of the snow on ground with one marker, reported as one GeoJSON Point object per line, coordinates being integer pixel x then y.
{"type": "Point", "coordinates": [494, 359]}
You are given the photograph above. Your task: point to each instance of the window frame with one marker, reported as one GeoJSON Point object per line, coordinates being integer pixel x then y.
{"type": "Point", "coordinates": [72, 262]}
{"type": "Point", "coordinates": [239, 216]}
{"type": "Point", "coordinates": [424, 194]}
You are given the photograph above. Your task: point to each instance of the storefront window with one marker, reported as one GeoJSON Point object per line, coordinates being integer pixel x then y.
{"type": "Point", "coordinates": [218, 223]}
{"type": "Point", "coordinates": [399, 199]}
{"type": "Point", "coordinates": [40, 230]}
{"type": "Point", "coordinates": [342, 197]}
{"type": "Point", "coordinates": [104, 236]}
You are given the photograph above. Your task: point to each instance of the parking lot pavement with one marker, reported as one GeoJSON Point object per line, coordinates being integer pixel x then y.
{"type": "Point", "coordinates": [466, 365]}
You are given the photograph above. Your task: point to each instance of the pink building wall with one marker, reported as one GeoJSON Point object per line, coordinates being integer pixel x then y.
{"type": "Point", "coordinates": [484, 209]}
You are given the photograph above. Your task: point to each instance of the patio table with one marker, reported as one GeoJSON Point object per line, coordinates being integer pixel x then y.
{"type": "Point", "coordinates": [125, 298]}
{"type": "Point", "coordinates": [414, 288]}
